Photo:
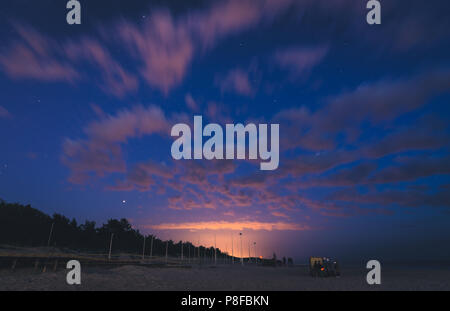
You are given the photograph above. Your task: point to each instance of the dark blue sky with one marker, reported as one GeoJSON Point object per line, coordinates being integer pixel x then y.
{"type": "Point", "coordinates": [86, 112]}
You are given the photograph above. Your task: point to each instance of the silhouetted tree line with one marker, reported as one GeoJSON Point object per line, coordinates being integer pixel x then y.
{"type": "Point", "coordinates": [23, 225]}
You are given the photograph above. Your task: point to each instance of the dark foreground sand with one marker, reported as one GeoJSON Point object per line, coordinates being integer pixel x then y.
{"type": "Point", "coordinates": [224, 277]}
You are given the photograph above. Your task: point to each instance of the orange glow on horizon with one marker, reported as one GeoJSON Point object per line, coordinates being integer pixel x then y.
{"type": "Point", "coordinates": [226, 225]}
{"type": "Point", "coordinates": [258, 239]}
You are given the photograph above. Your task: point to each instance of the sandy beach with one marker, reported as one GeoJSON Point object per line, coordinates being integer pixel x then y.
{"type": "Point", "coordinates": [223, 277]}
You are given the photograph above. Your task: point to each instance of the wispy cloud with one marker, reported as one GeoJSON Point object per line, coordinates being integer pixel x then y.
{"type": "Point", "coordinates": [100, 152]}
{"type": "Point", "coordinates": [34, 56]}
{"type": "Point", "coordinates": [115, 79]}
{"type": "Point", "coordinates": [161, 49]}
{"type": "Point", "coordinates": [165, 46]}
{"type": "Point", "coordinates": [279, 214]}
{"type": "Point", "coordinates": [379, 103]}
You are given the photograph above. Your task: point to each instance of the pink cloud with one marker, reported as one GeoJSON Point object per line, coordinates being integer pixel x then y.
{"type": "Point", "coordinates": [378, 102]}
{"type": "Point", "coordinates": [236, 81]}
{"type": "Point", "coordinates": [143, 176]}
{"type": "Point", "coordinates": [34, 56]}
{"type": "Point", "coordinates": [163, 46]}
{"type": "Point", "coordinates": [279, 214]}
{"type": "Point", "coordinates": [382, 100]}
{"type": "Point", "coordinates": [116, 80]}
{"type": "Point", "coordinates": [85, 157]}
{"type": "Point", "coordinates": [427, 133]}
{"type": "Point", "coordinates": [408, 198]}
{"type": "Point", "coordinates": [128, 123]}
{"type": "Point", "coordinates": [316, 163]}
{"type": "Point", "coordinates": [191, 103]}
{"type": "Point", "coordinates": [300, 60]}
{"type": "Point", "coordinates": [412, 168]}
{"type": "Point", "coordinates": [101, 152]}
{"type": "Point", "coordinates": [166, 45]}
{"type": "Point", "coordinates": [4, 113]}
{"type": "Point", "coordinates": [231, 17]}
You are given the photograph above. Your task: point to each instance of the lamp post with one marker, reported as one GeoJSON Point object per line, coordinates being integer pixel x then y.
{"type": "Point", "coordinates": [151, 248]}
{"type": "Point", "coordinates": [232, 250]}
{"type": "Point", "coordinates": [242, 257]}
{"type": "Point", "coordinates": [50, 235]}
{"type": "Point", "coordinates": [110, 246]}
{"type": "Point", "coordinates": [143, 250]}
{"type": "Point", "coordinates": [226, 254]}
{"type": "Point", "coordinates": [215, 250]}
{"type": "Point", "coordinates": [167, 248]}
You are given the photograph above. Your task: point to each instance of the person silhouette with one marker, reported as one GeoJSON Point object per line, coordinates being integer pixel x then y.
{"type": "Point", "coordinates": [316, 268]}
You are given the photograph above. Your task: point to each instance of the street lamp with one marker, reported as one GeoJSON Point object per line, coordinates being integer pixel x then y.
{"type": "Point", "coordinates": [242, 258]}
{"type": "Point", "coordinates": [215, 250]}
{"type": "Point", "coordinates": [181, 251]}
{"type": "Point", "coordinates": [151, 248]}
{"type": "Point", "coordinates": [232, 250]}
{"type": "Point", "coordinates": [143, 250]}
{"type": "Point", "coordinates": [110, 246]}
{"type": "Point", "coordinates": [167, 248]}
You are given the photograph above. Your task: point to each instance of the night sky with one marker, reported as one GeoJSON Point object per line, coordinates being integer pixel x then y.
{"type": "Point", "coordinates": [86, 112]}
